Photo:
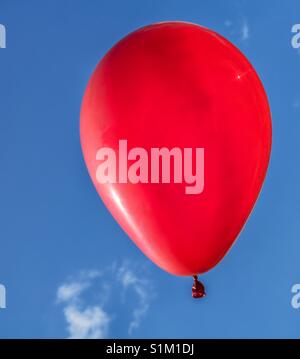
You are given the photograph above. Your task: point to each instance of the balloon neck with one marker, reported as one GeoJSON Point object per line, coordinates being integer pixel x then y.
{"type": "Point", "coordinates": [198, 290]}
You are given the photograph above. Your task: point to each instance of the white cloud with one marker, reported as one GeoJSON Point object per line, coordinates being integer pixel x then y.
{"type": "Point", "coordinates": [88, 321]}
{"type": "Point", "coordinates": [142, 289]}
{"type": "Point", "coordinates": [239, 28]}
{"type": "Point", "coordinates": [228, 23]}
{"type": "Point", "coordinates": [245, 30]}
{"type": "Point", "coordinates": [70, 291]}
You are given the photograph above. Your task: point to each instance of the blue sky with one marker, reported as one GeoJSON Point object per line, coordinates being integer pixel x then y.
{"type": "Point", "coordinates": [68, 268]}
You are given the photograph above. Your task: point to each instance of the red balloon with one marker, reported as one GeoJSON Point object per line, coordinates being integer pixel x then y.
{"type": "Point", "coordinates": [163, 100]}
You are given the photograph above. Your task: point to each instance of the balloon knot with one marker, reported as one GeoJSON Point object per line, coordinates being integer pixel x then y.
{"type": "Point", "coordinates": [198, 290]}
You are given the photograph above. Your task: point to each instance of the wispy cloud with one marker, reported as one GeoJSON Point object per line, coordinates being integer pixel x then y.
{"type": "Point", "coordinates": [296, 103]}
{"type": "Point", "coordinates": [228, 23]}
{"type": "Point", "coordinates": [88, 323]}
{"type": "Point", "coordinates": [239, 28]}
{"type": "Point", "coordinates": [89, 320]}
{"type": "Point", "coordinates": [245, 30]}
{"type": "Point", "coordinates": [70, 291]}
{"type": "Point", "coordinates": [83, 321]}
{"type": "Point", "coordinates": [142, 289]}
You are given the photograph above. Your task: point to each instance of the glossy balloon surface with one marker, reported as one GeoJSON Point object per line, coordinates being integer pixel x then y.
{"type": "Point", "coordinates": [180, 85]}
